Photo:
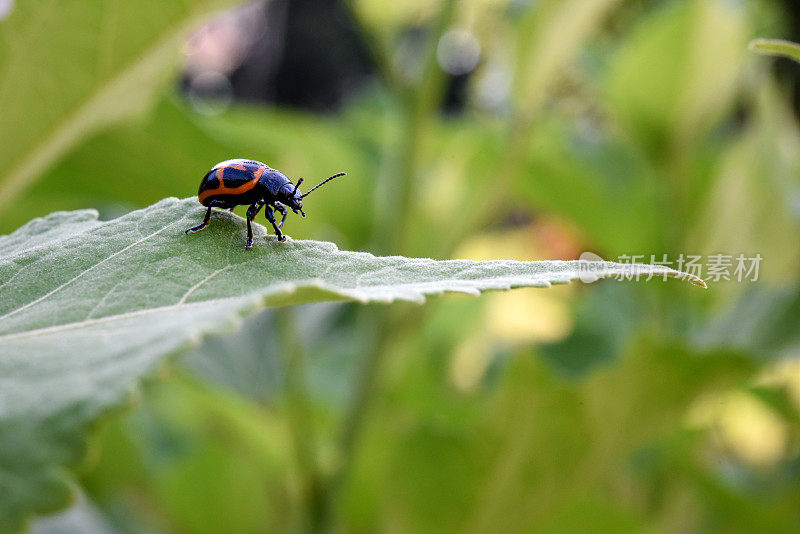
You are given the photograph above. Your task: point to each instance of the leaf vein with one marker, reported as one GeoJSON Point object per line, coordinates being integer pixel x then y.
{"type": "Point", "coordinates": [76, 277]}
{"type": "Point", "coordinates": [200, 283]}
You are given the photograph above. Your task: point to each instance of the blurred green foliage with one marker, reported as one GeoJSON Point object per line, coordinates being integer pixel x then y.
{"type": "Point", "coordinates": [627, 127]}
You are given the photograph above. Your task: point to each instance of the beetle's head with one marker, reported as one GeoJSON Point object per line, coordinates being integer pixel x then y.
{"type": "Point", "coordinates": [291, 196]}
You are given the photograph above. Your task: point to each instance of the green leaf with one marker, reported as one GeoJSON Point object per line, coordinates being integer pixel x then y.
{"type": "Point", "coordinates": [71, 68]}
{"type": "Point", "coordinates": [87, 308]}
{"type": "Point", "coordinates": [776, 47]}
{"type": "Point", "coordinates": [551, 34]}
{"type": "Point", "coordinates": [676, 76]}
{"type": "Point", "coordinates": [538, 445]}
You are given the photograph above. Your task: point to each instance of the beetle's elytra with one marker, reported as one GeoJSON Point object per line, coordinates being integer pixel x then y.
{"type": "Point", "coordinates": [245, 181]}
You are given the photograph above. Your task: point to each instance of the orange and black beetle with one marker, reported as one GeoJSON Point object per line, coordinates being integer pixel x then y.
{"type": "Point", "coordinates": [243, 181]}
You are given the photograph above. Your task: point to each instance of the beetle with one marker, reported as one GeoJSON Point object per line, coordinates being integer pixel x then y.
{"type": "Point", "coordinates": [237, 182]}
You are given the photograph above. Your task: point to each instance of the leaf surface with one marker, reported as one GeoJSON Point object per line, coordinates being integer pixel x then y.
{"type": "Point", "coordinates": [88, 308]}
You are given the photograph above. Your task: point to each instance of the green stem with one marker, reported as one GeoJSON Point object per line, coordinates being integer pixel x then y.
{"type": "Point", "coordinates": [376, 48]}
{"type": "Point", "coordinates": [419, 105]}
{"type": "Point", "coordinates": [301, 423]}
{"type": "Point", "coordinates": [372, 320]}
{"type": "Point", "coordinates": [389, 324]}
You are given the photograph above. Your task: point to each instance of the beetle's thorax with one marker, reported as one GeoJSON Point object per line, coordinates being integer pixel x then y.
{"type": "Point", "coordinates": [271, 183]}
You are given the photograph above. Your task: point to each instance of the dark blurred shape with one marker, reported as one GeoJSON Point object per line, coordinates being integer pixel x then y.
{"type": "Point", "coordinates": [456, 94]}
{"type": "Point", "coordinates": [299, 53]}
{"type": "Point", "coordinates": [785, 69]}
{"type": "Point", "coordinates": [322, 58]}
{"type": "Point", "coordinates": [304, 54]}
{"type": "Point", "coordinates": [458, 54]}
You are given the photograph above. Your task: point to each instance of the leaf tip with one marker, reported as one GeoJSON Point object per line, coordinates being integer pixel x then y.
{"type": "Point", "coordinates": [695, 280]}
{"type": "Point", "coordinates": [700, 282]}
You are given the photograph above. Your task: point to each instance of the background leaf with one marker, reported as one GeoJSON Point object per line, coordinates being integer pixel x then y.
{"type": "Point", "coordinates": [122, 54]}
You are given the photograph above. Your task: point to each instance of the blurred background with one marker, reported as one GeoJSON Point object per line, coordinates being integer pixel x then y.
{"type": "Point", "coordinates": [524, 129]}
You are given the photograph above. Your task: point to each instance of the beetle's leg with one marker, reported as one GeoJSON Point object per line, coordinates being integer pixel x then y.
{"type": "Point", "coordinates": [231, 209]}
{"type": "Point", "coordinates": [271, 218]}
{"type": "Point", "coordinates": [283, 211]}
{"type": "Point", "coordinates": [252, 211]}
{"type": "Point", "coordinates": [203, 224]}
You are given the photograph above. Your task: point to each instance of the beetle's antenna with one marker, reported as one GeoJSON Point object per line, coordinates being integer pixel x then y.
{"type": "Point", "coordinates": [326, 180]}
{"type": "Point", "coordinates": [300, 181]}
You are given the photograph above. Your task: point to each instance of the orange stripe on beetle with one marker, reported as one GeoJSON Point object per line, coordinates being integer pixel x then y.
{"type": "Point", "coordinates": [222, 190]}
